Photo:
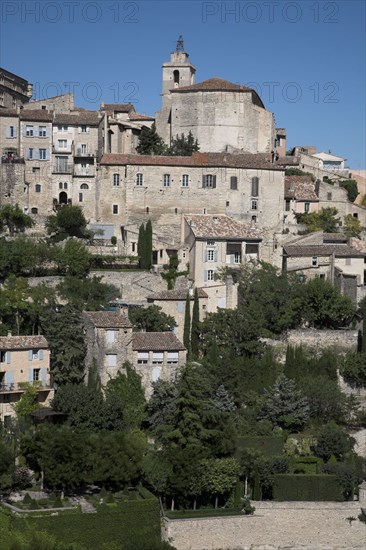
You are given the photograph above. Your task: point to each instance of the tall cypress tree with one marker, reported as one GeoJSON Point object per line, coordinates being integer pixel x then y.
{"type": "Point", "coordinates": [364, 328]}
{"type": "Point", "coordinates": [195, 330]}
{"type": "Point", "coordinates": [187, 325]}
{"type": "Point", "coordinates": [148, 245]}
{"type": "Point", "coordinates": [141, 244]}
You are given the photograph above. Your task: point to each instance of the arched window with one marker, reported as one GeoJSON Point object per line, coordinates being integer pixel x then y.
{"type": "Point", "coordinates": [84, 186]}
{"type": "Point", "coordinates": [62, 198]}
{"type": "Point", "coordinates": [255, 187]}
{"type": "Point", "coordinates": [34, 210]}
{"type": "Point", "coordinates": [176, 78]}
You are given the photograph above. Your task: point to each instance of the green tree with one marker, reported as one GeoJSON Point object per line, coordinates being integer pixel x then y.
{"type": "Point", "coordinates": [324, 306]}
{"type": "Point", "coordinates": [28, 403]}
{"type": "Point", "coordinates": [195, 329]}
{"type": "Point", "coordinates": [183, 145]}
{"type": "Point", "coordinates": [68, 222]}
{"type": "Point", "coordinates": [187, 325]}
{"type": "Point", "coordinates": [332, 440]}
{"type": "Point", "coordinates": [65, 334]}
{"type": "Point", "coordinates": [352, 226]}
{"type": "Point", "coordinates": [141, 245]}
{"type": "Point", "coordinates": [284, 405]}
{"type": "Point", "coordinates": [15, 301]}
{"type": "Point", "coordinates": [351, 187]}
{"type": "Point", "coordinates": [7, 465]}
{"type": "Point", "coordinates": [220, 475]}
{"type": "Point", "coordinates": [90, 294]}
{"type": "Point", "coordinates": [148, 244]}
{"type": "Point", "coordinates": [126, 388]}
{"type": "Point", "coordinates": [171, 272]}
{"type": "Point", "coordinates": [150, 143]}
{"type": "Point", "coordinates": [326, 400]}
{"type": "Point", "coordinates": [161, 406]}
{"type": "Point", "coordinates": [13, 219]}
{"type": "Point", "coordinates": [151, 319]}
{"type": "Point", "coordinates": [74, 259]}
{"type": "Point", "coordinates": [326, 220]}
{"type": "Point", "coordinates": [353, 368]}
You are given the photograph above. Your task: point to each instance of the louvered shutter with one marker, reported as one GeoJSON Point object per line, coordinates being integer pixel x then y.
{"type": "Point", "coordinates": [43, 376]}
{"type": "Point", "coordinates": [213, 182]}
{"type": "Point", "coordinates": [30, 355]}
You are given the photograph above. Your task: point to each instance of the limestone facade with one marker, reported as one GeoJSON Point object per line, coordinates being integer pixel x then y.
{"type": "Point", "coordinates": [24, 361]}
{"type": "Point", "coordinates": [14, 90]}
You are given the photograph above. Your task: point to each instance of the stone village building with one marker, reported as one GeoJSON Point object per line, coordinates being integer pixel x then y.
{"type": "Point", "coordinates": [24, 361]}
{"type": "Point", "coordinates": [111, 342]}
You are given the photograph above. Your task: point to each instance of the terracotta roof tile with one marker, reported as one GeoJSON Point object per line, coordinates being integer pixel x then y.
{"type": "Point", "coordinates": [259, 161]}
{"type": "Point", "coordinates": [300, 188]}
{"type": "Point", "coordinates": [340, 251]}
{"type": "Point", "coordinates": [138, 116]}
{"type": "Point", "coordinates": [91, 118]}
{"type": "Point", "coordinates": [8, 112]}
{"type": "Point", "coordinates": [37, 115]}
{"type": "Point", "coordinates": [219, 85]}
{"type": "Point", "coordinates": [118, 107]}
{"type": "Point", "coordinates": [108, 319]}
{"type": "Point", "coordinates": [219, 226]}
{"type": "Point", "coordinates": [22, 342]}
{"type": "Point", "coordinates": [176, 294]}
{"type": "Point", "coordinates": [156, 341]}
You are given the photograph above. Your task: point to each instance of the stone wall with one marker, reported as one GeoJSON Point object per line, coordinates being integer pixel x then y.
{"type": "Point", "coordinates": [345, 340]}
{"type": "Point", "coordinates": [274, 526]}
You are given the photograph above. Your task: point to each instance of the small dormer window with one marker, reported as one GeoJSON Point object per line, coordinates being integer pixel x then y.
{"type": "Point", "coordinates": [314, 261]}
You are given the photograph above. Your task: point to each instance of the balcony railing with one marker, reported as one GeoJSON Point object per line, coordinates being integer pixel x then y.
{"type": "Point", "coordinates": [84, 172]}
{"type": "Point", "coordinates": [12, 159]}
{"type": "Point", "coordinates": [81, 152]}
{"type": "Point", "coordinates": [63, 150]}
{"type": "Point", "coordinates": [63, 169]}
{"type": "Point", "coordinates": [22, 386]}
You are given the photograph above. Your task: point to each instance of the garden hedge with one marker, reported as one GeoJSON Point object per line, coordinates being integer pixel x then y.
{"type": "Point", "coordinates": [306, 487]}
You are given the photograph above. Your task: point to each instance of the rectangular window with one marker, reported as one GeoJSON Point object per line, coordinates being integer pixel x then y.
{"type": "Point", "coordinates": [209, 181]}
{"type": "Point", "coordinates": [38, 188]}
{"type": "Point", "coordinates": [115, 180]}
{"type": "Point", "coordinates": [254, 205]}
{"type": "Point", "coordinates": [139, 179]}
{"type": "Point", "coordinates": [233, 183]}
{"type": "Point", "coordinates": [307, 207]}
{"type": "Point", "coordinates": [81, 197]}
{"type": "Point", "coordinates": [210, 275]}
{"type": "Point", "coordinates": [173, 357]}
{"type": "Point", "coordinates": [62, 128]}
{"type": "Point", "coordinates": [180, 307]}
{"type": "Point", "coordinates": [30, 153]}
{"type": "Point", "coordinates": [158, 357]}
{"type": "Point", "coordinates": [115, 209]}
{"type": "Point", "coordinates": [29, 131]}
{"type": "Point", "coordinates": [314, 261]}
{"type": "Point", "coordinates": [111, 360]}
{"type": "Point", "coordinates": [210, 255]}
{"type": "Point", "coordinates": [42, 131]}
{"type": "Point", "coordinates": [12, 131]}
{"type": "Point", "coordinates": [329, 196]}
{"type": "Point", "coordinates": [166, 180]}
{"type": "Point", "coordinates": [62, 143]}
{"type": "Point", "coordinates": [83, 148]}
{"type": "Point", "coordinates": [185, 180]}
{"type": "Point", "coordinates": [36, 375]}
{"type": "Point", "coordinates": [142, 357]}
{"type": "Point", "coordinates": [42, 154]}
{"type": "Point", "coordinates": [287, 206]}
{"type": "Point", "coordinates": [322, 276]}
{"type": "Point", "coordinates": [133, 247]}
{"type": "Point", "coordinates": [111, 336]}
{"type": "Point", "coordinates": [255, 187]}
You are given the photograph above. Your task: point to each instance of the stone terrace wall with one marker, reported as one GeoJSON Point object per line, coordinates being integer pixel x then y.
{"type": "Point", "coordinates": [338, 339]}
{"type": "Point", "coordinates": [274, 526]}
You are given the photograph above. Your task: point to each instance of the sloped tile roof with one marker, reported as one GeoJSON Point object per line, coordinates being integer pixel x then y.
{"type": "Point", "coordinates": [108, 319]}
{"type": "Point", "coordinates": [138, 116]}
{"type": "Point", "coordinates": [260, 161]}
{"type": "Point", "coordinates": [220, 227]}
{"type": "Point", "coordinates": [156, 341]}
{"type": "Point", "coordinates": [340, 251]}
{"type": "Point", "coordinates": [117, 107]}
{"type": "Point", "coordinates": [176, 294]}
{"type": "Point", "coordinates": [300, 188]}
{"type": "Point", "coordinates": [76, 118]}
{"type": "Point", "coordinates": [22, 342]}
{"type": "Point", "coordinates": [36, 114]}
{"type": "Point", "coordinates": [8, 112]}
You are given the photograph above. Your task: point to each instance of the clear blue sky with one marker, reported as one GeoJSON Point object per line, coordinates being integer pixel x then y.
{"type": "Point", "coordinates": [306, 58]}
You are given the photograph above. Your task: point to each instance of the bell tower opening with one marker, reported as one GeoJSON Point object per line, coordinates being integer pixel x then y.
{"type": "Point", "coordinates": [176, 78]}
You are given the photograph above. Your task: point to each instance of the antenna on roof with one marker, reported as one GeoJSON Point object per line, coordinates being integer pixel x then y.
{"type": "Point", "coordinates": [180, 44]}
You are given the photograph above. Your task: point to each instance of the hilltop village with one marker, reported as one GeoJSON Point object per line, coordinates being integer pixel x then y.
{"type": "Point", "coordinates": [182, 307]}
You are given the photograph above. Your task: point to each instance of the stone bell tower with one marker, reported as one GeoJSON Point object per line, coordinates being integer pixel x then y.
{"type": "Point", "coordinates": [177, 72]}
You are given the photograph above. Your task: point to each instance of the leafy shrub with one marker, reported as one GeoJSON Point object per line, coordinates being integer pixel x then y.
{"type": "Point", "coordinates": [306, 487]}
{"type": "Point", "coordinates": [27, 499]}
{"type": "Point", "coordinates": [266, 445]}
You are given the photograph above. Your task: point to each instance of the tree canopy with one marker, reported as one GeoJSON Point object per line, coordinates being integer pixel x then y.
{"type": "Point", "coordinates": [14, 219]}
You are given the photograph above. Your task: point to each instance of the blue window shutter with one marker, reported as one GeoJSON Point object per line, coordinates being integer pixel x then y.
{"type": "Point", "coordinates": [47, 131]}
{"type": "Point", "coordinates": [8, 135]}
{"type": "Point", "coordinates": [215, 256]}
{"type": "Point", "coordinates": [8, 357]}
{"type": "Point", "coordinates": [40, 354]}
{"type": "Point", "coordinates": [43, 376]}
{"type": "Point", "coordinates": [47, 154]}
{"type": "Point", "coordinates": [9, 377]}
{"type": "Point", "coordinates": [35, 131]}
{"type": "Point", "coordinates": [15, 131]}
{"type": "Point", "coordinates": [30, 355]}
{"type": "Point", "coordinates": [180, 307]}
{"type": "Point", "coordinates": [205, 276]}
{"type": "Point", "coordinates": [30, 375]}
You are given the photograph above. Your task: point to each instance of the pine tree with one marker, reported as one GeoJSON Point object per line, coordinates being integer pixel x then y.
{"type": "Point", "coordinates": [187, 325]}
{"type": "Point", "coordinates": [195, 330]}
{"type": "Point", "coordinates": [364, 329]}
{"type": "Point", "coordinates": [141, 244]}
{"type": "Point", "coordinates": [184, 145]}
{"type": "Point", "coordinates": [150, 143]}
{"type": "Point", "coordinates": [148, 245]}
{"type": "Point", "coordinates": [256, 488]}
